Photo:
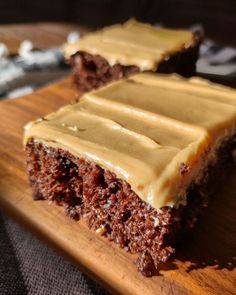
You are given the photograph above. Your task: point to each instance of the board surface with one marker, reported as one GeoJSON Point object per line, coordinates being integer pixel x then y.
{"type": "Point", "coordinates": [205, 262]}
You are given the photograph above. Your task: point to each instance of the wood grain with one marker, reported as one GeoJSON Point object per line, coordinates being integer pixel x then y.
{"type": "Point", "coordinates": [205, 261]}
{"type": "Point", "coordinates": [12, 44]}
{"type": "Point", "coordinates": [43, 35]}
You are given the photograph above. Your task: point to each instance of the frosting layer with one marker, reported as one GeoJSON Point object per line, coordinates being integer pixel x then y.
{"type": "Point", "coordinates": [156, 132]}
{"type": "Point", "coordinates": [133, 43]}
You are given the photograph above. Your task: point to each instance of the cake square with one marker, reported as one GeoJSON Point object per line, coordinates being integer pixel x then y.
{"type": "Point", "coordinates": [135, 158]}
{"type": "Point", "coordinates": [125, 49]}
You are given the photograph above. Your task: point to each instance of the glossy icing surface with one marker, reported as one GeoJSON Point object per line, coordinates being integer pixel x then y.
{"type": "Point", "coordinates": [145, 129]}
{"type": "Point", "coordinates": [133, 43]}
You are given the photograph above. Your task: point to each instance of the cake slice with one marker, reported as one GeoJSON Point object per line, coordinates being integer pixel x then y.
{"type": "Point", "coordinates": [136, 159]}
{"type": "Point", "coordinates": [122, 50]}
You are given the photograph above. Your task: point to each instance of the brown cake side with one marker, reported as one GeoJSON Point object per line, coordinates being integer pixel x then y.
{"type": "Point", "coordinates": [93, 71]}
{"type": "Point", "coordinates": [111, 208]}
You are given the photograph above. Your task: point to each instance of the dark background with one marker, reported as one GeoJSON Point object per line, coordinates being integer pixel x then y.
{"type": "Point", "coordinates": [217, 16]}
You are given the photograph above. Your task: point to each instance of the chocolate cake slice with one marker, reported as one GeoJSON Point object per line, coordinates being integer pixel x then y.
{"type": "Point", "coordinates": [136, 159]}
{"type": "Point", "coordinates": [123, 50]}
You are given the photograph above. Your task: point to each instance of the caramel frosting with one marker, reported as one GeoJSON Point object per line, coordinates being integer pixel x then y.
{"type": "Point", "coordinates": [157, 132]}
{"type": "Point", "coordinates": [133, 43]}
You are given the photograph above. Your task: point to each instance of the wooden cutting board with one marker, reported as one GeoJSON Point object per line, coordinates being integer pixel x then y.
{"type": "Point", "coordinates": [205, 262]}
